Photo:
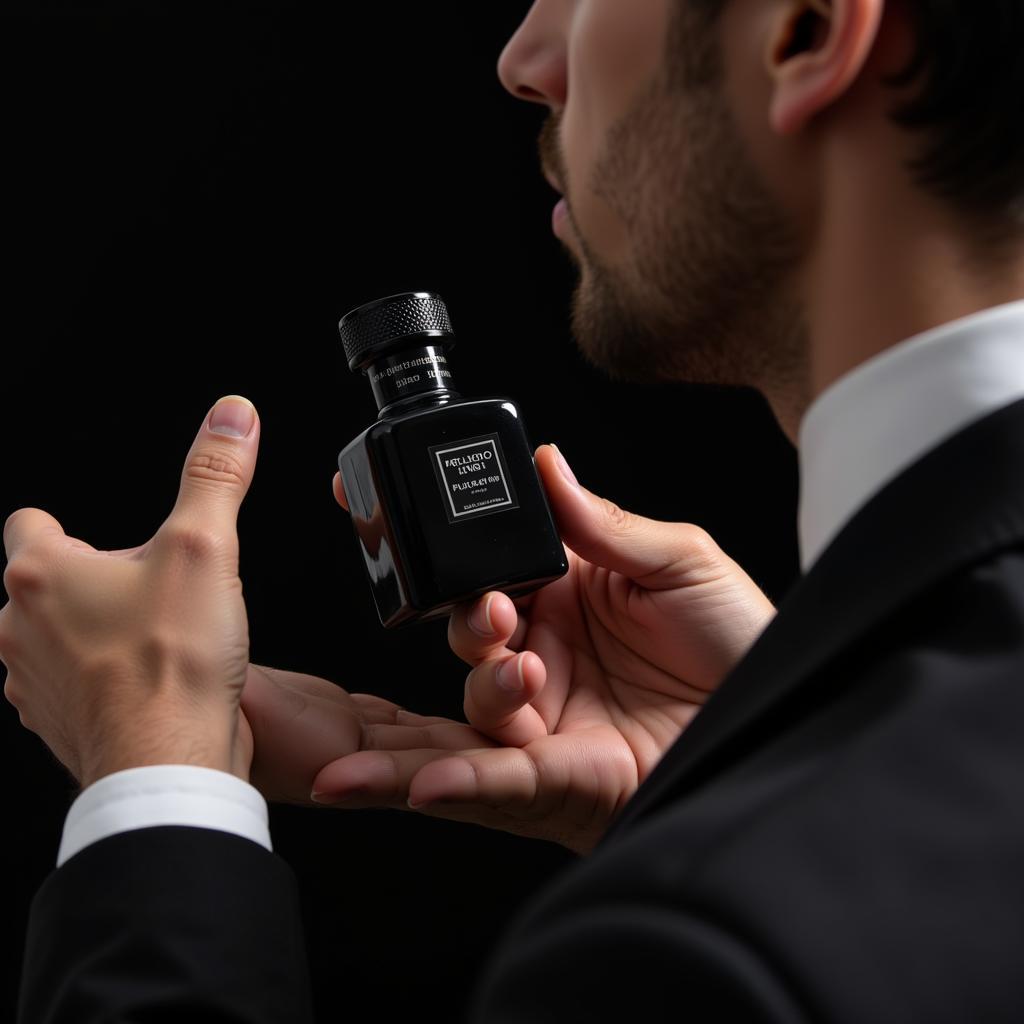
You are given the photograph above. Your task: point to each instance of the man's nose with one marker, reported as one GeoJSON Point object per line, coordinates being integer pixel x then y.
{"type": "Point", "coordinates": [532, 66]}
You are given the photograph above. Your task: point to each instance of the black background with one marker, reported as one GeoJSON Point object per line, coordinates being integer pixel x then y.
{"type": "Point", "coordinates": [190, 204]}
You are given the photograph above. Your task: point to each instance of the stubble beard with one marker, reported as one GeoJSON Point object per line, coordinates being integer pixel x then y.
{"type": "Point", "coordinates": [708, 293]}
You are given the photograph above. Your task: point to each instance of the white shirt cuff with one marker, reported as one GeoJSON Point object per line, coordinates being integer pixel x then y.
{"type": "Point", "coordinates": [164, 794]}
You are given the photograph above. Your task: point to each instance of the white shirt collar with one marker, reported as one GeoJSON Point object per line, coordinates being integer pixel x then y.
{"type": "Point", "coordinates": [881, 416]}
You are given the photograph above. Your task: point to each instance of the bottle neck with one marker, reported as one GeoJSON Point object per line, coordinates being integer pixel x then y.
{"type": "Point", "coordinates": [409, 376]}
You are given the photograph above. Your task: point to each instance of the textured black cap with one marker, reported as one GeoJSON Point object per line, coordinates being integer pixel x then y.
{"type": "Point", "coordinates": [389, 323]}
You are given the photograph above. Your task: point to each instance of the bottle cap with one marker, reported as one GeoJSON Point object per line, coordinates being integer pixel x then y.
{"type": "Point", "coordinates": [390, 323]}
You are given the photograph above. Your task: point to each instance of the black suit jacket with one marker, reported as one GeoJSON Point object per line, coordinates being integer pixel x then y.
{"type": "Point", "coordinates": [838, 836]}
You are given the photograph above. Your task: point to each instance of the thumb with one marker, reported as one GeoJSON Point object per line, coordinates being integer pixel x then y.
{"type": "Point", "coordinates": [656, 555]}
{"type": "Point", "coordinates": [219, 467]}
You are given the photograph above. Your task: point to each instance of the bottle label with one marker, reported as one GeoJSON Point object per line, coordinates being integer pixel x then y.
{"type": "Point", "coordinates": [473, 477]}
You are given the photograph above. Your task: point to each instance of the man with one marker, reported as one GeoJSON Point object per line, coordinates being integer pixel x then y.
{"type": "Point", "coordinates": [819, 199]}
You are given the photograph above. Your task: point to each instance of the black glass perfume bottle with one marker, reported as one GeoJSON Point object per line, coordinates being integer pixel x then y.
{"type": "Point", "coordinates": [443, 492]}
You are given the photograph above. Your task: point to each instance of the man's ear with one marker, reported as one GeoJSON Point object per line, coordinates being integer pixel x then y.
{"type": "Point", "coordinates": [816, 49]}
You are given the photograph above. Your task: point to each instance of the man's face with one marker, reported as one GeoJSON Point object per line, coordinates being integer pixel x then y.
{"type": "Point", "coordinates": [686, 262]}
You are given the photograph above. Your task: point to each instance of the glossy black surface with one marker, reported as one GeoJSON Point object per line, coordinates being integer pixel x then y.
{"type": "Point", "coordinates": [422, 559]}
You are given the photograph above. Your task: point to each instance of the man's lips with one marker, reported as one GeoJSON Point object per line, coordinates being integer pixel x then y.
{"type": "Point", "coordinates": [559, 215]}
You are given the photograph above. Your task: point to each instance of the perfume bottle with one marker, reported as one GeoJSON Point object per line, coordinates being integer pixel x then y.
{"type": "Point", "coordinates": [443, 492]}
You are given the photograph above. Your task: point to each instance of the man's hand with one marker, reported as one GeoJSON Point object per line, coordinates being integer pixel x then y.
{"type": "Point", "coordinates": [301, 722]}
{"type": "Point", "coordinates": [124, 658]}
{"type": "Point", "coordinates": [578, 689]}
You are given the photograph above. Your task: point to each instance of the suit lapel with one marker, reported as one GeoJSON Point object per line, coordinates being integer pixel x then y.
{"type": "Point", "coordinates": [958, 503]}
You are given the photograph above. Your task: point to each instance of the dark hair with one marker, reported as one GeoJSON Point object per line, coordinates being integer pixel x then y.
{"type": "Point", "coordinates": [971, 103]}
{"type": "Point", "coordinates": [969, 107]}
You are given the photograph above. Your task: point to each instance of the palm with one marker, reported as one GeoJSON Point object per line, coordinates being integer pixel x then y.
{"type": "Point", "coordinates": [618, 667]}
{"type": "Point", "coordinates": [627, 669]}
{"type": "Point", "coordinates": [296, 723]}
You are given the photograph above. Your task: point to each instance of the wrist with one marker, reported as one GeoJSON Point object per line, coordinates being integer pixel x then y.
{"type": "Point", "coordinates": [202, 748]}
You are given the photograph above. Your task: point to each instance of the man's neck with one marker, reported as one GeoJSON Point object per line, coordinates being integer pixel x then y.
{"type": "Point", "coordinates": [878, 278]}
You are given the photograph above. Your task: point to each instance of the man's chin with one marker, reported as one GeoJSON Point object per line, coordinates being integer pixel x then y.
{"type": "Point", "coordinates": [611, 342]}
{"type": "Point", "coordinates": [630, 347]}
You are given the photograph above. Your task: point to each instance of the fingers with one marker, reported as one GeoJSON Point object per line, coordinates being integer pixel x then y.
{"type": "Point", "coordinates": [503, 683]}
{"type": "Point", "coordinates": [504, 778]}
{"type": "Point", "coordinates": [27, 525]}
{"type": "Point", "coordinates": [8, 643]}
{"type": "Point", "coordinates": [498, 698]}
{"type": "Point", "coordinates": [383, 779]}
{"type": "Point", "coordinates": [219, 468]}
{"type": "Point", "coordinates": [299, 723]}
{"type": "Point", "coordinates": [483, 628]}
{"type": "Point", "coordinates": [563, 788]}
{"type": "Point", "coordinates": [655, 554]}
{"type": "Point", "coordinates": [561, 784]}
{"type": "Point", "coordinates": [372, 778]}
{"type": "Point", "coordinates": [339, 491]}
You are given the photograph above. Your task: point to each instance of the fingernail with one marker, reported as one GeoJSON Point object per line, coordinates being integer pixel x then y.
{"type": "Point", "coordinates": [564, 467]}
{"type": "Point", "coordinates": [322, 797]}
{"type": "Point", "coordinates": [480, 618]}
{"type": "Point", "coordinates": [510, 675]}
{"type": "Point", "coordinates": [233, 415]}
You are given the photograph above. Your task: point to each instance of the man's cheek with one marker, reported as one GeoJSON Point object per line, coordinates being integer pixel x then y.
{"type": "Point", "coordinates": [583, 179]}
{"type": "Point", "coordinates": [598, 211]}
{"type": "Point", "coordinates": [578, 131]}
{"type": "Point", "coordinates": [615, 50]}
